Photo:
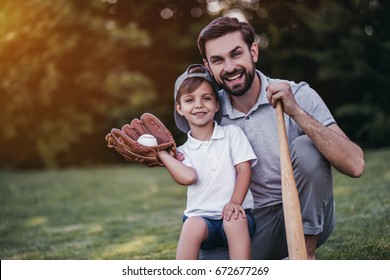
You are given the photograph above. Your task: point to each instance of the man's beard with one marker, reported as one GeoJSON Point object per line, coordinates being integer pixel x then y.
{"type": "Point", "coordinates": [241, 89]}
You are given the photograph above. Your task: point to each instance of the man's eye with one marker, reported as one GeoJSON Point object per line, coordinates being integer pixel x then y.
{"type": "Point", "coordinates": [216, 61]}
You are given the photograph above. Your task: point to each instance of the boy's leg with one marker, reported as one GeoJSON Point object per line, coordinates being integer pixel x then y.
{"type": "Point", "coordinates": [193, 233]}
{"type": "Point", "coordinates": [237, 235]}
{"type": "Point", "coordinates": [219, 253]}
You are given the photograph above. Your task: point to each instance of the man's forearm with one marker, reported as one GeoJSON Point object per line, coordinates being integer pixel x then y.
{"type": "Point", "coordinates": [333, 144]}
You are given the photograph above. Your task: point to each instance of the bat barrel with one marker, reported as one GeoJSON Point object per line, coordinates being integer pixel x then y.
{"type": "Point", "coordinates": [291, 207]}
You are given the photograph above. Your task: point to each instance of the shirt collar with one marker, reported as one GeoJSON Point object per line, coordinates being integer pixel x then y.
{"type": "Point", "coordinates": [227, 107]}
{"type": "Point", "coordinates": [218, 133]}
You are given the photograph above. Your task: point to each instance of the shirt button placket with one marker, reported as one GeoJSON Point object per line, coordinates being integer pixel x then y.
{"type": "Point", "coordinates": [247, 126]}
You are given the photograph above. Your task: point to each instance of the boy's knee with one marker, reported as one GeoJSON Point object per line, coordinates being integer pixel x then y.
{"type": "Point", "coordinates": [235, 224]}
{"type": "Point", "coordinates": [194, 224]}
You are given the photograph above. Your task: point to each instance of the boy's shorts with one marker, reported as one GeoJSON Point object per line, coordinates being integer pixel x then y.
{"type": "Point", "coordinates": [216, 234]}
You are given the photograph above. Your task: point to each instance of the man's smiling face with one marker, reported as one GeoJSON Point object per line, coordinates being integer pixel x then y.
{"type": "Point", "coordinates": [232, 62]}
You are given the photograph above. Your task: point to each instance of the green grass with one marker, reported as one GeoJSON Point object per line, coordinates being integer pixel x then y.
{"type": "Point", "coordinates": [101, 213]}
{"type": "Point", "coordinates": [363, 213]}
{"type": "Point", "coordinates": [134, 212]}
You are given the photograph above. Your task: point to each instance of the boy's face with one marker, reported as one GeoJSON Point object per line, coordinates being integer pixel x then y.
{"type": "Point", "coordinates": [231, 62]}
{"type": "Point", "coordinates": [199, 107]}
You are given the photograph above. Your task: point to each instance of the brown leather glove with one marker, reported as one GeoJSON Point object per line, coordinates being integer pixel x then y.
{"type": "Point", "coordinates": [125, 140]}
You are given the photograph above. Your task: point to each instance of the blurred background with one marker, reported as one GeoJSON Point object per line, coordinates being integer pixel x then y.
{"type": "Point", "coordinates": [71, 70]}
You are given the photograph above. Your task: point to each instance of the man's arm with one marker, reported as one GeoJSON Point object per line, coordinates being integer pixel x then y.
{"type": "Point", "coordinates": [181, 173]}
{"type": "Point", "coordinates": [331, 141]}
{"type": "Point", "coordinates": [333, 144]}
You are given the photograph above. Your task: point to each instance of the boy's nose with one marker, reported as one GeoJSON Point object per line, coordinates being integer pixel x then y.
{"type": "Point", "coordinates": [198, 105]}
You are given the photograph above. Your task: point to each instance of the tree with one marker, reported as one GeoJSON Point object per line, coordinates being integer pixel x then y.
{"type": "Point", "coordinates": [72, 70]}
{"type": "Point", "coordinates": [65, 79]}
{"type": "Point", "coordinates": [342, 49]}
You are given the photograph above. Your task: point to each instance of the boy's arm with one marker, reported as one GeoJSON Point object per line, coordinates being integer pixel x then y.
{"type": "Point", "coordinates": [181, 173]}
{"type": "Point", "coordinates": [243, 179]}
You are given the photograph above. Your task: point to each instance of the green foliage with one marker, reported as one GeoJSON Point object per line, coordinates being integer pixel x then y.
{"type": "Point", "coordinates": [71, 70]}
{"type": "Point", "coordinates": [134, 212]}
{"type": "Point", "coordinates": [342, 50]}
{"type": "Point", "coordinates": [369, 123]}
{"type": "Point", "coordinates": [64, 78]}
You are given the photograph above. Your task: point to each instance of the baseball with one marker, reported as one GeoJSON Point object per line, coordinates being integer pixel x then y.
{"type": "Point", "coordinates": [147, 140]}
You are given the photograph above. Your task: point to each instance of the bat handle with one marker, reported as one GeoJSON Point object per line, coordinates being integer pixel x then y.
{"type": "Point", "coordinates": [291, 207]}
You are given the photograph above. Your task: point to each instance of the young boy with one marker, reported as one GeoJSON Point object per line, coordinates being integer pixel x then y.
{"type": "Point", "coordinates": [216, 168]}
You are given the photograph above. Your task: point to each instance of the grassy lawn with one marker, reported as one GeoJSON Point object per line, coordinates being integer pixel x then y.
{"type": "Point", "coordinates": [133, 212]}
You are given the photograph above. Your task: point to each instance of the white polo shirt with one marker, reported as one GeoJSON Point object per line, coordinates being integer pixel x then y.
{"type": "Point", "coordinates": [214, 163]}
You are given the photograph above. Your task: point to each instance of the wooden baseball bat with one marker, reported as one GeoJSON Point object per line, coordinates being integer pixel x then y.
{"type": "Point", "coordinates": [291, 208]}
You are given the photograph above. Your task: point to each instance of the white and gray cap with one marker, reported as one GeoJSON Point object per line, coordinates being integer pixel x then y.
{"type": "Point", "coordinates": [180, 121]}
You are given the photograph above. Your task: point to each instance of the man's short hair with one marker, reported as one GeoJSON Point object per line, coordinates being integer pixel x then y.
{"type": "Point", "coordinates": [222, 26]}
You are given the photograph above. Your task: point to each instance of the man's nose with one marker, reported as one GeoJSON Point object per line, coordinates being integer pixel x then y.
{"type": "Point", "coordinates": [230, 65]}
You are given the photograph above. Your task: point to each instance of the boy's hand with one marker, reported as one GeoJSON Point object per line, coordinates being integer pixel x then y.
{"type": "Point", "coordinates": [232, 209]}
{"type": "Point", "coordinates": [180, 156]}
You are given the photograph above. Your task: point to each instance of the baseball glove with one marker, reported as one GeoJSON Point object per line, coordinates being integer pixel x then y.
{"type": "Point", "coordinates": [125, 140]}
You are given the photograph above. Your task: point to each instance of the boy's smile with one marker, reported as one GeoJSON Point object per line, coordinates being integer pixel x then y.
{"type": "Point", "coordinates": [199, 107]}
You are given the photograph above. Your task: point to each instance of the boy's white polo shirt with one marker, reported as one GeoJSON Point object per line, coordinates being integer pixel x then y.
{"type": "Point", "coordinates": [214, 163]}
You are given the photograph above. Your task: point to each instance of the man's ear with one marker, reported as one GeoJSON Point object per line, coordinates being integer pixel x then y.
{"type": "Point", "coordinates": [254, 50]}
{"type": "Point", "coordinates": [206, 64]}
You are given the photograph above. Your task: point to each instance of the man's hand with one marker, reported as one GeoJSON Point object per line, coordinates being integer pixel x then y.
{"type": "Point", "coordinates": [331, 141]}
{"type": "Point", "coordinates": [282, 91]}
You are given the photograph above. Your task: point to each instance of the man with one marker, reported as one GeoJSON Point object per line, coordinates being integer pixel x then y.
{"type": "Point", "coordinates": [248, 99]}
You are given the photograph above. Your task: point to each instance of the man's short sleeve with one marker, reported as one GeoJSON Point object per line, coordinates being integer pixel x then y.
{"type": "Point", "coordinates": [309, 100]}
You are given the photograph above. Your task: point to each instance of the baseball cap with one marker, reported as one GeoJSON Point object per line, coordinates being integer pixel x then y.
{"type": "Point", "coordinates": [200, 72]}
